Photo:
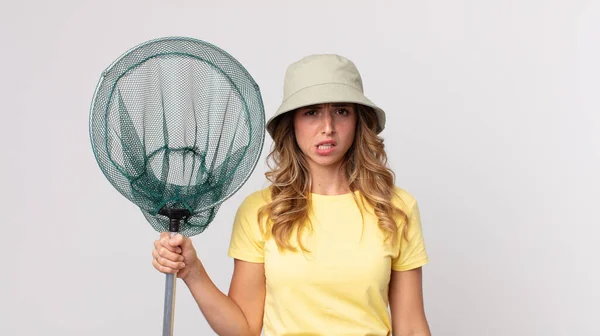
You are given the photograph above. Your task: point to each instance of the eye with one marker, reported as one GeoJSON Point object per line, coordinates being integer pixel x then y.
{"type": "Point", "coordinates": [343, 111]}
{"type": "Point", "coordinates": [310, 112]}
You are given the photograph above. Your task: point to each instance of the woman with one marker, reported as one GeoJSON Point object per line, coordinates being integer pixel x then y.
{"type": "Point", "coordinates": [332, 241]}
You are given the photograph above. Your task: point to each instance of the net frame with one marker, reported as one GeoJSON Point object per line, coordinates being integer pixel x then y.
{"type": "Point", "coordinates": [105, 96]}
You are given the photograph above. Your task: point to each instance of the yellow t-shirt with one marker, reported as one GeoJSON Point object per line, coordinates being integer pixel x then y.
{"type": "Point", "coordinates": [339, 287]}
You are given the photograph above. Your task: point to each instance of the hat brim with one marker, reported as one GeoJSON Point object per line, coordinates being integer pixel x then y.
{"type": "Point", "coordinates": [325, 93]}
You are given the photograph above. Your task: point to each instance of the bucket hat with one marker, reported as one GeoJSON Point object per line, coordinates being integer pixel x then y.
{"type": "Point", "coordinates": [319, 79]}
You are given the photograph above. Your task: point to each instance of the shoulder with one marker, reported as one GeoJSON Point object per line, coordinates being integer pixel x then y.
{"type": "Point", "coordinates": [254, 201]}
{"type": "Point", "coordinates": [403, 199]}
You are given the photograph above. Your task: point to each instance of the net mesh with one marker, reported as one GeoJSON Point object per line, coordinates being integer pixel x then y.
{"type": "Point", "coordinates": [177, 123]}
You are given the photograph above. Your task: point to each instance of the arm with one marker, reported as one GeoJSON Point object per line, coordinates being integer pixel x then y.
{"type": "Point", "coordinates": [240, 312]}
{"type": "Point", "coordinates": [406, 303]}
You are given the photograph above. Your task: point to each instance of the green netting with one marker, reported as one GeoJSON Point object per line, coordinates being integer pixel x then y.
{"type": "Point", "coordinates": [177, 123]}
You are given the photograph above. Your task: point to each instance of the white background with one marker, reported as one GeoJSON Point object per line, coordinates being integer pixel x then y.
{"type": "Point", "coordinates": [493, 125]}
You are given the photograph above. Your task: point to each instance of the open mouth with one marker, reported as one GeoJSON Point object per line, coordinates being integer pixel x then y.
{"type": "Point", "coordinates": [325, 147]}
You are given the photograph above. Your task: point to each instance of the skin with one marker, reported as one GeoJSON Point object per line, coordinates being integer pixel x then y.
{"type": "Point", "coordinates": [240, 312]}
{"type": "Point", "coordinates": [325, 122]}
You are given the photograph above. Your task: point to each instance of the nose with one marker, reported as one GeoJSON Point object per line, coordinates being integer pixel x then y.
{"type": "Point", "coordinates": [328, 124]}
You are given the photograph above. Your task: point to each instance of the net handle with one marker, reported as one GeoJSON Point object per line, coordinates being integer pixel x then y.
{"type": "Point", "coordinates": [175, 217]}
{"type": "Point", "coordinates": [169, 309]}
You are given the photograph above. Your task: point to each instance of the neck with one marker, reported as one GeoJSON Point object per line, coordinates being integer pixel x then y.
{"type": "Point", "coordinates": [329, 181]}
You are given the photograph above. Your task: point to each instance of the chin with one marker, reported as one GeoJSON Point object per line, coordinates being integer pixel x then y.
{"type": "Point", "coordinates": [325, 162]}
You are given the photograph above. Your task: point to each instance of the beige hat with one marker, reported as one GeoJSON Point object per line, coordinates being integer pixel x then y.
{"type": "Point", "coordinates": [318, 79]}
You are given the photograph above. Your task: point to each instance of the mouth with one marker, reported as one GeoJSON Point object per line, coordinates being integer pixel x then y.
{"type": "Point", "coordinates": [325, 147]}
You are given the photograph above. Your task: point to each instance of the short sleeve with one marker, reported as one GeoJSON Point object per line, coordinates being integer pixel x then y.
{"type": "Point", "coordinates": [412, 251]}
{"type": "Point", "coordinates": [246, 241]}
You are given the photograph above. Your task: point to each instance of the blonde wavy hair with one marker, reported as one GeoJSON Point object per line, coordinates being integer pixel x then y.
{"type": "Point", "coordinates": [365, 166]}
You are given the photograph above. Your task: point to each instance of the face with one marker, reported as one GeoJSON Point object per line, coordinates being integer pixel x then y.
{"type": "Point", "coordinates": [325, 132]}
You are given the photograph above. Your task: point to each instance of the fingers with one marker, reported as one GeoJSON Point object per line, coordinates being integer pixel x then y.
{"type": "Point", "coordinates": [171, 263]}
{"type": "Point", "coordinates": [171, 253]}
{"type": "Point", "coordinates": [164, 269]}
{"type": "Point", "coordinates": [167, 253]}
{"type": "Point", "coordinates": [172, 244]}
{"type": "Point", "coordinates": [178, 240]}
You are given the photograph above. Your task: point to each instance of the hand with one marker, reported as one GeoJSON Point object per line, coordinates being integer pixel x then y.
{"type": "Point", "coordinates": [175, 254]}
